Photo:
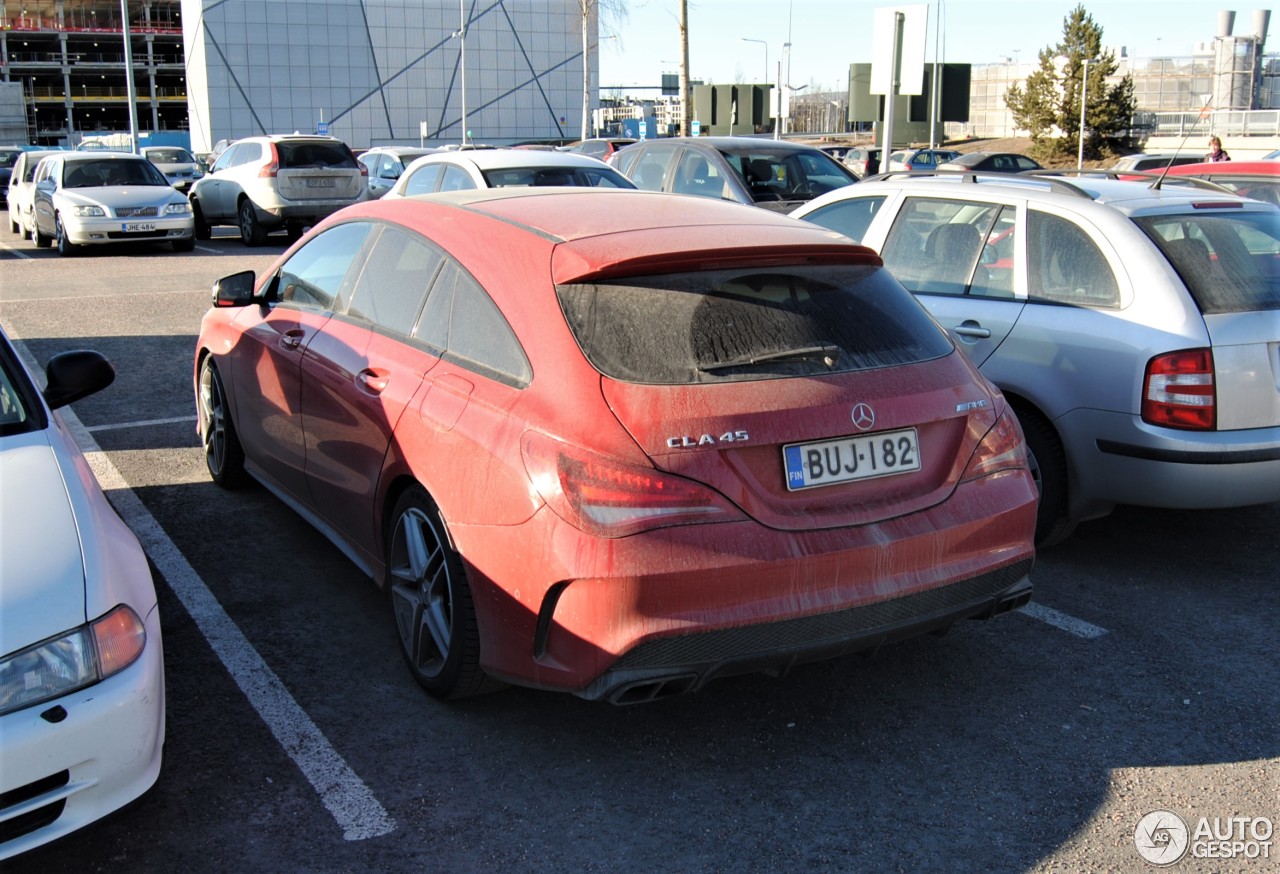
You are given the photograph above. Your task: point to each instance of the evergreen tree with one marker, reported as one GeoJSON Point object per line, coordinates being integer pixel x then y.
{"type": "Point", "coordinates": [1049, 106]}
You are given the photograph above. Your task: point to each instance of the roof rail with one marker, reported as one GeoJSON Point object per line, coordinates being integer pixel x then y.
{"type": "Point", "coordinates": [980, 177]}
{"type": "Point", "coordinates": [1157, 179]}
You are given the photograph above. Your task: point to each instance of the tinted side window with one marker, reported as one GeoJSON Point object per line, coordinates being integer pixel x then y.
{"type": "Point", "coordinates": [313, 277]}
{"type": "Point", "coordinates": [423, 180]}
{"type": "Point", "coordinates": [246, 153]}
{"type": "Point", "coordinates": [698, 176]}
{"type": "Point", "coordinates": [651, 167]}
{"type": "Point", "coordinates": [394, 280]}
{"type": "Point", "coordinates": [461, 319]}
{"type": "Point", "coordinates": [1065, 265]}
{"type": "Point", "coordinates": [850, 217]}
{"type": "Point", "coordinates": [456, 179]}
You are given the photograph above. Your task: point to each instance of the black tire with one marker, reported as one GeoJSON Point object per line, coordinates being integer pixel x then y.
{"type": "Point", "coordinates": [202, 231]}
{"type": "Point", "coordinates": [223, 453]}
{"type": "Point", "coordinates": [251, 230]}
{"type": "Point", "coordinates": [65, 246]}
{"type": "Point", "coordinates": [431, 605]}
{"type": "Point", "coordinates": [42, 242]}
{"type": "Point", "coordinates": [1049, 470]}
{"type": "Point", "coordinates": [184, 244]}
{"type": "Point", "coordinates": [295, 230]}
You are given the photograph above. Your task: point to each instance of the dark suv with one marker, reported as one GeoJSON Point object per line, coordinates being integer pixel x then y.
{"type": "Point", "coordinates": [775, 174]}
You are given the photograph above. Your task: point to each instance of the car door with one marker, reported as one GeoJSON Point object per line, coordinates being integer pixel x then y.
{"type": "Point", "coordinates": [963, 260]}
{"type": "Point", "coordinates": [359, 374]}
{"type": "Point", "coordinates": [211, 191]}
{"type": "Point", "coordinates": [46, 183]}
{"type": "Point", "coordinates": [267, 367]}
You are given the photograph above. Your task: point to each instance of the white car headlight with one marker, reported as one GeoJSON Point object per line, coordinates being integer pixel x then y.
{"type": "Point", "coordinates": [85, 211]}
{"type": "Point", "coordinates": [75, 659]}
{"type": "Point", "coordinates": [177, 208]}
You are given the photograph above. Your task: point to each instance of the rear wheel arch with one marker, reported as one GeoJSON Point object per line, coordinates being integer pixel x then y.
{"type": "Point", "coordinates": [1049, 469]}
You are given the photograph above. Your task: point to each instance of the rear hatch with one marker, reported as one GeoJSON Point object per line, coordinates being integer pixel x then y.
{"type": "Point", "coordinates": [1229, 259]}
{"type": "Point", "coordinates": [812, 397]}
{"type": "Point", "coordinates": [318, 170]}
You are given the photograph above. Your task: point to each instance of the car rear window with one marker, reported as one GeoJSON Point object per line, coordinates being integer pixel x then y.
{"type": "Point", "coordinates": [1230, 262]}
{"type": "Point", "coordinates": [299, 156]}
{"type": "Point", "coordinates": [749, 324]}
{"type": "Point", "coordinates": [170, 156]}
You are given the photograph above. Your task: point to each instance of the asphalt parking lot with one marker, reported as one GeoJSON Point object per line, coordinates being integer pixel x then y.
{"type": "Point", "coordinates": [1143, 678]}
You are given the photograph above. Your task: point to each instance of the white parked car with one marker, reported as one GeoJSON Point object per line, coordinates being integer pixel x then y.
{"type": "Point", "coordinates": [82, 716]}
{"type": "Point", "coordinates": [287, 182]}
{"type": "Point", "coordinates": [466, 169]}
{"type": "Point", "coordinates": [99, 198]}
{"type": "Point", "coordinates": [178, 165]}
{"type": "Point", "coordinates": [21, 184]}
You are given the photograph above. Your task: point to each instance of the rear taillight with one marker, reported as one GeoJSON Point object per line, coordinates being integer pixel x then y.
{"type": "Point", "coordinates": [612, 498]}
{"type": "Point", "coordinates": [1179, 392]}
{"type": "Point", "coordinates": [272, 167]}
{"type": "Point", "coordinates": [1002, 448]}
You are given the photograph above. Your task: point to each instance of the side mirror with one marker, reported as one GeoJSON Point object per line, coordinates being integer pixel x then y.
{"type": "Point", "coordinates": [70, 376]}
{"type": "Point", "coordinates": [235, 290]}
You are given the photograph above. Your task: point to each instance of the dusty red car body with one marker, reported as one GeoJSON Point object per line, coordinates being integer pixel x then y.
{"type": "Point", "coordinates": [781, 577]}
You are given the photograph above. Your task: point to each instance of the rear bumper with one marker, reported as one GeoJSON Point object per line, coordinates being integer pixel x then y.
{"type": "Point", "coordinates": [1118, 459]}
{"type": "Point", "coordinates": [674, 665]}
{"type": "Point", "coordinates": [676, 607]}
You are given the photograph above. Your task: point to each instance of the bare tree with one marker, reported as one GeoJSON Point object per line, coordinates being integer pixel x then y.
{"type": "Point", "coordinates": [592, 12]}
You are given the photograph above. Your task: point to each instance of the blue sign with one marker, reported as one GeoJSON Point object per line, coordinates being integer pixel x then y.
{"type": "Point", "coordinates": [322, 128]}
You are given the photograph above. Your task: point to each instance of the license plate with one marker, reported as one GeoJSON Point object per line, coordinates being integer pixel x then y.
{"type": "Point", "coordinates": [138, 227]}
{"type": "Point", "coordinates": [321, 182]}
{"type": "Point", "coordinates": [828, 462]}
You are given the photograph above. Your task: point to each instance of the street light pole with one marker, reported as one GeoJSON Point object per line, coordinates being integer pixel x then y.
{"type": "Point", "coordinates": [766, 56]}
{"type": "Point", "coordinates": [1084, 103]}
{"type": "Point", "coordinates": [461, 34]}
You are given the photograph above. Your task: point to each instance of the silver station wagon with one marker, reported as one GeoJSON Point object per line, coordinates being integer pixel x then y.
{"type": "Point", "coordinates": [1134, 327]}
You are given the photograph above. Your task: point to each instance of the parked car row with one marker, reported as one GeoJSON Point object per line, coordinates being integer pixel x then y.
{"type": "Point", "coordinates": [713, 439]}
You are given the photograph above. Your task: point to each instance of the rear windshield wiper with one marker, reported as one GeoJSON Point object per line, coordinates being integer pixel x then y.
{"type": "Point", "coordinates": [829, 353]}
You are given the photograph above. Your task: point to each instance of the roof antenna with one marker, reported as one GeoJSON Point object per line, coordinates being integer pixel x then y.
{"type": "Point", "coordinates": [1205, 112]}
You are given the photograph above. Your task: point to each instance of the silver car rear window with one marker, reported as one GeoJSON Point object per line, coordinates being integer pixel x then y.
{"type": "Point", "coordinates": [1229, 261]}
{"type": "Point", "coordinates": [749, 324]}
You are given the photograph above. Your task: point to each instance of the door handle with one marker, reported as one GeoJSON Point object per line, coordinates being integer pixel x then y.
{"type": "Point", "coordinates": [291, 339]}
{"type": "Point", "coordinates": [372, 381]}
{"type": "Point", "coordinates": [972, 329]}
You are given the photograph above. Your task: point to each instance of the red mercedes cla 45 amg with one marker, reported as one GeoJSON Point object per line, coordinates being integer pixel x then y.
{"type": "Point", "coordinates": [618, 443]}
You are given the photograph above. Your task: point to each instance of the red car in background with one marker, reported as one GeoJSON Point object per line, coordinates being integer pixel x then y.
{"type": "Point", "coordinates": [1259, 180]}
{"type": "Point", "coordinates": [618, 443]}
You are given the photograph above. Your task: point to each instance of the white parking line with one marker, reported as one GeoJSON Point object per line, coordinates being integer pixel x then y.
{"type": "Point", "coordinates": [148, 423]}
{"type": "Point", "coordinates": [1069, 624]}
{"type": "Point", "coordinates": [350, 802]}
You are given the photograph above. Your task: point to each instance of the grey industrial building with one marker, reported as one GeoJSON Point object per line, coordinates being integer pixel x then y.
{"type": "Point", "coordinates": [368, 71]}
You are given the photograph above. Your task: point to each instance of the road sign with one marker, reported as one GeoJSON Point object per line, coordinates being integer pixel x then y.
{"type": "Point", "coordinates": [322, 128]}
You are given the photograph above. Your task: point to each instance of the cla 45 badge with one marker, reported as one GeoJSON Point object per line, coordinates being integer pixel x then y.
{"type": "Point", "coordinates": [690, 442]}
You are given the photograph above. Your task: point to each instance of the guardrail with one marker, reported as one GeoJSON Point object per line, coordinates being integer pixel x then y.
{"type": "Point", "coordinates": [1223, 122]}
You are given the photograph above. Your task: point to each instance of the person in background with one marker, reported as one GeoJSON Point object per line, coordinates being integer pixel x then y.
{"type": "Point", "coordinates": [1216, 152]}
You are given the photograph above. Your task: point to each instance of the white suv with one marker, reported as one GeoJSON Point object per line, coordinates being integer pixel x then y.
{"type": "Point", "coordinates": [1134, 326]}
{"type": "Point", "coordinates": [261, 184]}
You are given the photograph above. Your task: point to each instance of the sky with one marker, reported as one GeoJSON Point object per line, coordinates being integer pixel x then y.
{"type": "Point", "coordinates": [827, 36]}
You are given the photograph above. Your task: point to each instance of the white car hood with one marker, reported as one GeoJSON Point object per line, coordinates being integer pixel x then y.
{"type": "Point", "coordinates": [42, 578]}
{"type": "Point", "coordinates": [114, 197]}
